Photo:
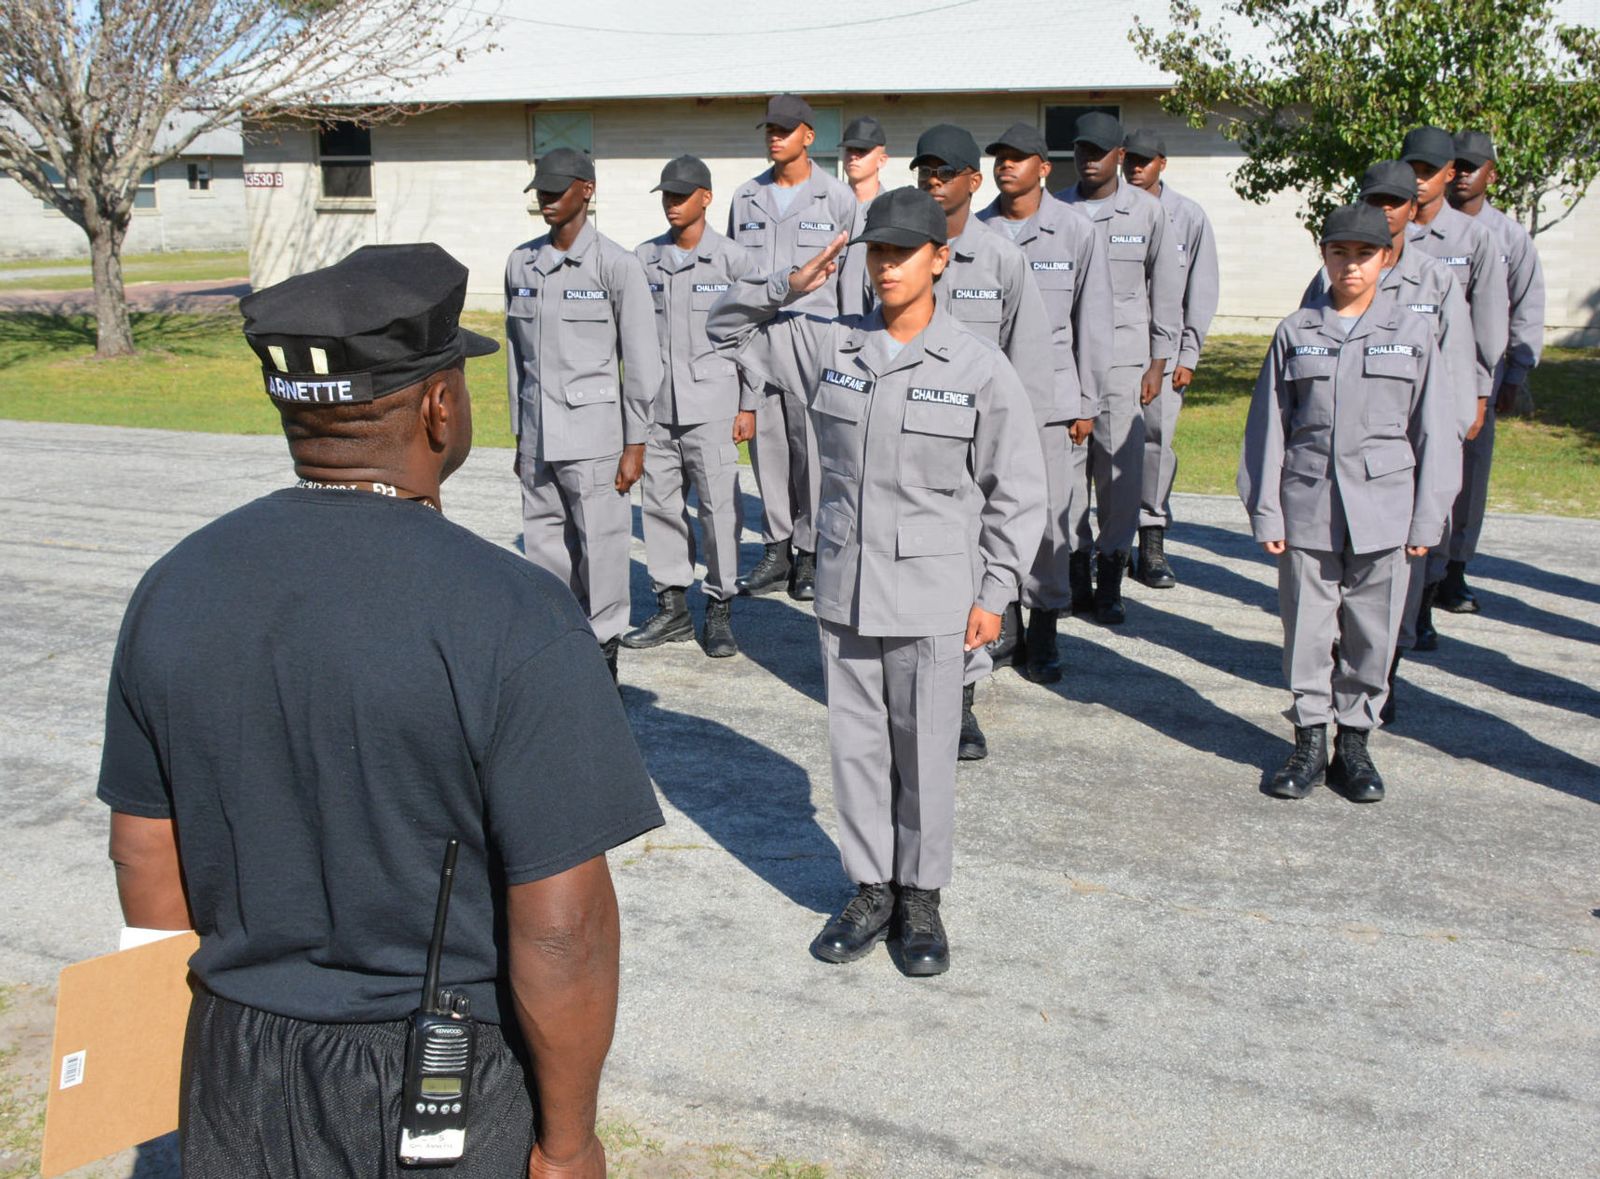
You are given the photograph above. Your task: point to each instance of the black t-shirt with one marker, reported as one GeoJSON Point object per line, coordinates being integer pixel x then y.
{"type": "Point", "coordinates": [320, 689]}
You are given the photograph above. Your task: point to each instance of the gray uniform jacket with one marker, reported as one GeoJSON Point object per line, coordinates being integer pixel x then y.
{"type": "Point", "coordinates": [566, 322]}
{"type": "Point", "coordinates": [933, 485]}
{"type": "Point", "coordinates": [1068, 261]}
{"type": "Point", "coordinates": [820, 210]}
{"type": "Point", "coordinates": [1422, 285]}
{"type": "Point", "coordinates": [698, 383]}
{"type": "Point", "coordinates": [1525, 285]}
{"type": "Point", "coordinates": [1197, 256]}
{"type": "Point", "coordinates": [1146, 280]}
{"type": "Point", "coordinates": [856, 295]}
{"type": "Point", "coordinates": [989, 288]}
{"type": "Point", "coordinates": [1351, 439]}
{"type": "Point", "coordinates": [1472, 253]}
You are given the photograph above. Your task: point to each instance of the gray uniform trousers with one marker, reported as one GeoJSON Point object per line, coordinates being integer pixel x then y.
{"type": "Point", "coordinates": [1046, 586]}
{"type": "Point", "coordinates": [1160, 466]}
{"type": "Point", "coordinates": [1466, 516]}
{"type": "Point", "coordinates": [700, 456]}
{"type": "Point", "coordinates": [1356, 598]}
{"type": "Point", "coordinates": [783, 455]}
{"type": "Point", "coordinates": [576, 525]}
{"type": "Point", "coordinates": [1113, 459]}
{"type": "Point", "coordinates": [894, 722]}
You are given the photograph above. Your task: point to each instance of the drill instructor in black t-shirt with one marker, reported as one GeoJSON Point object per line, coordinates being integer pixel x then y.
{"type": "Point", "coordinates": [309, 697]}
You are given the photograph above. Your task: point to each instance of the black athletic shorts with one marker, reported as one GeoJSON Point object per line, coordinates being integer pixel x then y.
{"type": "Point", "coordinates": [265, 1095]}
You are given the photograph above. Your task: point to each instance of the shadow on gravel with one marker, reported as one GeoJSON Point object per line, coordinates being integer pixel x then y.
{"type": "Point", "coordinates": [753, 801]}
{"type": "Point", "coordinates": [1521, 613]}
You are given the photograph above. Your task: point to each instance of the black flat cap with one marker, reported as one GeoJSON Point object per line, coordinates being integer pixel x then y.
{"type": "Point", "coordinates": [1389, 178]}
{"type": "Point", "coordinates": [684, 175]}
{"type": "Point", "coordinates": [1145, 144]}
{"type": "Point", "coordinates": [903, 217]}
{"type": "Point", "coordinates": [949, 144]}
{"type": "Point", "coordinates": [1429, 145]}
{"type": "Point", "coordinates": [1023, 137]}
{"type": "Point", "coordinates": [788, 111]}
{"type": "Point", "coordinates": [557, 169]}
{"type": "Point", "coordinates": [1102, 130]}
{"type": "Point", "coordinates": [865, 133]}
{"type": "Point", "coordinates": [1356, 223]}
{"type": "Point", "coordinates": [374, 322]}
{"type": "Point", "coordinates": [1474, 147]}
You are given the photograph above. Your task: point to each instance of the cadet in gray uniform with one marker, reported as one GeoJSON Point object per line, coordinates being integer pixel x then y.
{"type": "Point", "coordinates": [1473, 255]}
{"type": "Point", "coordinates": [1068, 260]}
{"type": "Point", "coordinates": [932, 507]}
{"type": "Point", "coordinates": [784, 216]}
{"type": "Point", "coordinates": [574, 301]}
{"type": "Point", "coordinates": [1424, 286]}
{"type": "Point", "coordinates": [1144, 165]}
{"type": "Point", "coordinates": [1147, 290]}
{"type": "Point", "coordinates": [1475, 172]}
{"type": "Point", "coordinates": [698, 423]}
{"type": "Point", "coordinates": [865, 150]}
{"type": "Point", "coordinates": [1347, 469]}
{"type": "Point", "coordinates": [990, 291]}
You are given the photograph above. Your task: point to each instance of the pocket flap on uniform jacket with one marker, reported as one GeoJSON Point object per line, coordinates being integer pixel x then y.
{"type": "Point", "coordinates": [712, 367]}
{"type": "Point", "coordinates": [838, 402]}
{"type": "Point", "coordinates": [590, 392]}
{"type": "Point", "coordinates": [1308, 368]}
{"type": "Point", "coordinates": [950, 419]}
{"type": "Point", "coordinates": [520, 306]}
{"type": "Point", "coordinates": [1389, 364]}
{"type": "Point", "coordinates": [1388, 458]}
{"type": "Point", "coordinates": [930, 540]}
{"type": "Point", "coordinates": [976, 304]}
{"type": "Point", "coordinates": [1311, 463]}
{"type": "Point", "coordinates": [834, 524]}
{"type": "Point", "coordinates": [586, 310]}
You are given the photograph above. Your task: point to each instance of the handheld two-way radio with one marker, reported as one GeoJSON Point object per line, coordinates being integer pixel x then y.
{"type": "Point", "coordinates": [439, 1053]}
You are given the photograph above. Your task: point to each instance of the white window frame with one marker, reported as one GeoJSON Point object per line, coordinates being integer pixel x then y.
{"type": "Point", "coordinates": [202, 191]}
{"type": "Point", "coordinates": [358, 204]}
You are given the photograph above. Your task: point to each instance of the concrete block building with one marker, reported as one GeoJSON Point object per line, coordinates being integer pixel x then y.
{"type": "Point", "coordinates": [635, 84]}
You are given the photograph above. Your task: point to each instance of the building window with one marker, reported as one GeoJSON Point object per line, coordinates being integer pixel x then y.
{"type": "Point", "coordinates": [344, 152]}
{"type": "Point", "coordinates": [825, 148]}
{"type": "Point", "coordinates": [144, 196]}
{"type": "Point", "coordinates": [200, 176]}
{"type": "Point", "coordinates": [1059, 124]}
{"type": "Point", "coordinates": [549, 130]}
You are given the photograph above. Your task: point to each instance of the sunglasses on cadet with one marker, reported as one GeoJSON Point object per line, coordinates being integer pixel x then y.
{"type": "Point", "coordinates": [944, 173]}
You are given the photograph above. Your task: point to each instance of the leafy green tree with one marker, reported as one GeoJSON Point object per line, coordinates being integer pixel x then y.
{"type": "Point", "coordinates": [1338, 83]}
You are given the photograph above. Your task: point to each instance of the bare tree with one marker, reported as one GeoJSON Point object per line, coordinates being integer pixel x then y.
{"type": "Point", "coordinates": [94, 93]}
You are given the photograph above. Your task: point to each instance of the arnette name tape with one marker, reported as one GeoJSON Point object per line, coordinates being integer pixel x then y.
{"type": "Point", "coordinates": [320, 390]}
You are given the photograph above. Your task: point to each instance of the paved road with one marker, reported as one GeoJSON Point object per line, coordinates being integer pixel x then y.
{"type": "Point", "coordinates": [1158, 970]}
{"type": "Point", "coordinates": [209, 294]}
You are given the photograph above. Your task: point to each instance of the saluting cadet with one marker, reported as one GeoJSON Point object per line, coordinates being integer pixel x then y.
{"type": "Point", "coordinates": [1145, 164]}
{"type": "Point", "coordinates": [990, 291]}
{"type": "Point", "coordinates": [698, 420]}
{"type": "Point", "coordinates": [1347, 469]}
{"type": "Point", "coordinates": [1068, 260]}
{"type": "Point", "coordinates": [932, 506]}
{"type": "Point", "coordinates": [1422, 285]}
{"type": "Point", "coordinates": [1473, 255]}
{"type": "Point", "coordinates": [1475, 172]}
{"type": "Point", "coordinates": [575, 300]}
{"type": "Point", "coordinates": [784, 216]}
{"type": "Point", "coordinates": [1147, 292]}
{"type": "Point", "coordinates": [865, 148]}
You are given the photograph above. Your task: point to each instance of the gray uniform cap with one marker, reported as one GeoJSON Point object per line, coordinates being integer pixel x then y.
{"type": "Point", "coordinates": [865, 132]}
{"type": "Point", "coordinates": [1389, 178]}
{"type": "Point", "coordinates": [683, 175]}
{"type": "Point", "coordinates": [904, 217]}
{"type": "Point", "coordinates": [556, 170]}
{"type": "Point", "coordinates": [1145, 144]}
{"type": "Point", "coordinates": [1356, 223]}
{"type": "Point", "coordinates": [1429, 145]}
{"type": "Point", "coordinates": [1474, 147]}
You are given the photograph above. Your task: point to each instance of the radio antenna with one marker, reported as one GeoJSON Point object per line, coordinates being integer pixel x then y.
{"type": "Point", "coordinates": [430, 981]}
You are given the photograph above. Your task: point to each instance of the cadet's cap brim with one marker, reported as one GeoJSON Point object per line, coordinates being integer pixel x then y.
{"type": "Point", "coordinates": [678, 187]}
{"type": "Point", "coordinates": [552, 182]}
{"type": "Point", "coordinates": [863, 144]}
{"type": "Point", "coordinates": [1432, 158]}
{"type": "Point", "coordinates": [787, 122]}
{"type": "Point", "coordinates": [1476, 159]}
{"type": "Point", "coordinates": [477, 345]}
{"type": "Point", "coordinates": [892, 235]}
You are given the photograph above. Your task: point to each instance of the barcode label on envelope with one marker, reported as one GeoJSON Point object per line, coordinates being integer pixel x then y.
{"type": "Point", "coordinates": [72, 1068]}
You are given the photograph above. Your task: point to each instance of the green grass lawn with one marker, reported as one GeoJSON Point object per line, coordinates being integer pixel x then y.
{"type": "Point", "coordinates": [195, 373]}
{"type": "Point", "coordinates": [73, 273]}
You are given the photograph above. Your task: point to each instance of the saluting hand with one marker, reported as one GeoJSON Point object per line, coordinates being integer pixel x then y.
{"type": "Point", "coordinates": [807, 278]}
{"type": "Point", "coordinates": [982, 627]}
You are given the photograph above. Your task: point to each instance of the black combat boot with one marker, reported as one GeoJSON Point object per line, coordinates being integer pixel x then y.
{"type": "Point", "coordinates": [1108, 609]}
{"type": "Point", "coordinates": [1080, 576]}
{"type": "Point", "coordinates": [924, 949]}
{"type": "Point", "coordinates": [1352, 770]}
{"type": "Point", "coordinates": [1153, 568]}
{"type": "Point", "coordinates": [1387, 713]}
{"type": "Point", "coordinates": [1008, 647]}
{"type": "Point", "coordinates": [1043, 663]}
{"type": "Point", "coordinates": [671, 623]}
{"type": "Point", "coordinates": [860, 925]}
{"type": "Point", "coordinates": [718, 637]}
{"type": "Point", "coordinates": [771, 572]}
{"type": "Point", "coordinates": [1427, 637]}
{"type": "Point", "coordinates": [609, 650]}
{"type": "Point", "coordinates": [1306, 765]}
{"type": "Point", "coordinates": [803, 581]}
{"type": "Point", "coordinates": [973, 747]}
{"type": "Point", "coordinates": [1455, 595]}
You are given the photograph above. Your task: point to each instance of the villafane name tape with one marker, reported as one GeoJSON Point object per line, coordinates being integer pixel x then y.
{"type": "Point", "coordinates": [846, 381]}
